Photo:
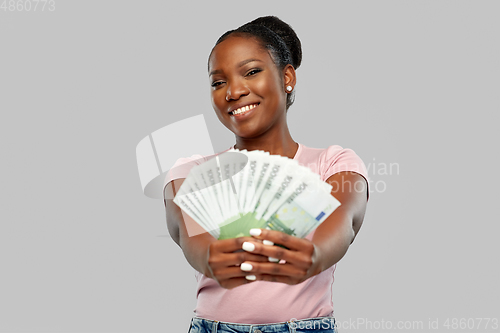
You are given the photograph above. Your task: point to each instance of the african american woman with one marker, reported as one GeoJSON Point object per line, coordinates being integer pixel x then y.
{"type": "Point", "coordinates": [252, 71]}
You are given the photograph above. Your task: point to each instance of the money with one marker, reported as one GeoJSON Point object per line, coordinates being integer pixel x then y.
{"type": "Point", "coordinates": [239, 190]}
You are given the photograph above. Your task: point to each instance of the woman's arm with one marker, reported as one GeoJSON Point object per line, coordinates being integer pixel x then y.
{"type": "Point", "coordinates": [178, 223]}
{"type": "Point", "coordinates": [331, 240]}
{"type": "Point", "coordinates": [334, 236]}
{"type": "Point", "coordinates": [172, 214]}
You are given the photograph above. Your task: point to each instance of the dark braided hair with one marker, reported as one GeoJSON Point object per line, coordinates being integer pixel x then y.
{"type": "Point", "coordinates": [275, 36]}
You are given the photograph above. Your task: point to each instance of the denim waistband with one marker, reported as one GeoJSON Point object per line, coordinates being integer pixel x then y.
{"type": "Point", "coordinates": [310, 325]}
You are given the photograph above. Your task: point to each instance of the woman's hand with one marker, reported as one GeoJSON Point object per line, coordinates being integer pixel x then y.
{"type": "Point", "coordinates": [296, 264]}
{"type": "Point", "coordinates": [224, 258]}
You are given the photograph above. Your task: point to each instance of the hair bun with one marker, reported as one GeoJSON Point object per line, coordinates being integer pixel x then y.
{"type": "Point", "coordinates": [286, 33]}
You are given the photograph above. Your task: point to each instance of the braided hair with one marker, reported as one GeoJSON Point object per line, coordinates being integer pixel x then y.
{"type": "Point", "coordinates": [275, 36]}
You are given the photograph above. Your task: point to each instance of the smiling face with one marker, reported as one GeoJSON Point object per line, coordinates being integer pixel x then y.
{"type": "Point", "coordinates": [247, 89]}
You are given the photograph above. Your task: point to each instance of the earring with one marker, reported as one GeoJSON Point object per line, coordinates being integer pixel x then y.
{"type": "Point", "coordinates": [289, 88]}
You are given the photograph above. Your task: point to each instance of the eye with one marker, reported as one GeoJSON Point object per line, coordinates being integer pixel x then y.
{"type": "Point", "coordinates": [216, 83]}
{"type": "Point", "coordinates": [254, 71]}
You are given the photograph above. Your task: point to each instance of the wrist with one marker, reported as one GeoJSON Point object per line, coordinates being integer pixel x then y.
{"type": "Point", "coordinates": [197, 252]}
{"type": "Point", "coordinates": [319, 260]}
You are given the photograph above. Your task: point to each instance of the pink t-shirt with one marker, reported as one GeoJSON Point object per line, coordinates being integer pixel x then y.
{"type": "Point", "coordinates": [263, 302]}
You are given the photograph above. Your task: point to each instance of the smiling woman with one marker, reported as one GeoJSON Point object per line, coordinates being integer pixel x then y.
{"type": "Point", "coordinates": [252, 79]}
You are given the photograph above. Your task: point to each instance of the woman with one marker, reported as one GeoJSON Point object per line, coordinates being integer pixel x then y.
{"type": "Point", "coordinates": [252, 76]}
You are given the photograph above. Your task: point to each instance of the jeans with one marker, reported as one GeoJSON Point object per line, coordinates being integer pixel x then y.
{"type": "Point", "coordinates": [311, 325]}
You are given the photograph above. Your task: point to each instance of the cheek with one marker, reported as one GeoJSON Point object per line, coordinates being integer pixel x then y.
{"type": "Point", "coordinates": [274, 94]}
{"type": "Point", "coordinates": [269, 88]}
{"type": "Point", "coordinates": [215, 98]}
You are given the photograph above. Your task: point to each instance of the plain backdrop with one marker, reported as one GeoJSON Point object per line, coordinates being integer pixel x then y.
{"type": "Point", "coordinates": [411, 86]}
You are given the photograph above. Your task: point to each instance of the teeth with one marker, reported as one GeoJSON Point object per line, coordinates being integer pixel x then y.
{"type": "Point", "coordinates": [244, 109]}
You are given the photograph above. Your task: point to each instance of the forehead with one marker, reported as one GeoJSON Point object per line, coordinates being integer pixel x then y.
{"type": "Point", "coordinates": [236, 49]}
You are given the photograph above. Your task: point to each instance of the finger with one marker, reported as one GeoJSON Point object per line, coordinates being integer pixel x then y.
{"type": "Point", "coordinates": [229, 245]}
{"type": "Point", "coordinates": [221, 260]}
{"type": "Point", "coordinates": [278, 237]}
{"type": "Point", "coordinates": [230, 272]}
{"type": "Point", "coordinates": [299, 258]}
{"type": "Point", "coordinates": [254, 257]}
{"type": "Point", "coordinates": [259, 269]}
{"type": "Point", "coordinates": [271, 259]}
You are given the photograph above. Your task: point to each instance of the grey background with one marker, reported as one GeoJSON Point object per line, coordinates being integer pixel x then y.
{"type": "Point", "coordinates": [407, 82]}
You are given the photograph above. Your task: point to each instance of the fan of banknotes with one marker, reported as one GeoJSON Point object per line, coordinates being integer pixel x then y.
{"type": "Point", "coordinates": [238, 190]}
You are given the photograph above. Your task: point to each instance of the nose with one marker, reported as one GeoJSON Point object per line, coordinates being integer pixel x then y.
{"type": "Point", "coordinates": [236, 89]}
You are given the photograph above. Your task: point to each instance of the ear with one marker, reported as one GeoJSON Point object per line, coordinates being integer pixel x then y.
{"type": "Point", "coordinates": [289, 77]}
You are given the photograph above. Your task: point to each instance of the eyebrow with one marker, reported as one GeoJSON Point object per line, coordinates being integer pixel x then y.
{"type": "Point", "coordinates": [240, 64]}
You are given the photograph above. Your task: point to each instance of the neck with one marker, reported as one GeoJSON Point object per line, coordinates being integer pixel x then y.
{"type": "Point", "coordinates": [280, 143]}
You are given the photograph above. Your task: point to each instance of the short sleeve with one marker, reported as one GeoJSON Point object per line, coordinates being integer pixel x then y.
{"type": "Point", "coordinates": [181, 168]}
{"type": "Point", "coordinates": [337, 159]}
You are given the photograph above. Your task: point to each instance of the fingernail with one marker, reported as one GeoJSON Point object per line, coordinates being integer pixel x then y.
{"type": "Point", "coordinates": [247, 246]}
{"type": "Point", "coordinates": [267, 242]}
{"type": "Point", "coordinates": [271, 259]}
{"type": "Point", "coordinates": [255, 232]}
{"type": "Point", "coordinates": [246, 267]}
{"type": "Point", "coordinates": [251, 277]}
